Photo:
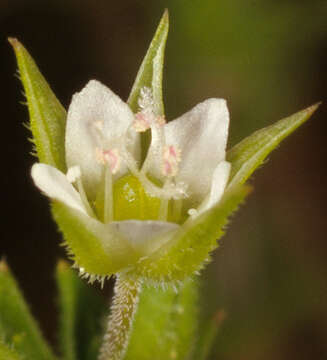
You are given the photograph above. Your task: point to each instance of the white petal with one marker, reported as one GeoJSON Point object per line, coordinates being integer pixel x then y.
{"type": "Point", "coordinates": [55, 184]}
{"type": "Point", "coordinates": [201, 135]}
{"type": "Point", "coordinates": [218, 185]}
{"type": "Point", "coordinates": [97, 118]}
{"type": "Point", "coordinates": [145, 236]}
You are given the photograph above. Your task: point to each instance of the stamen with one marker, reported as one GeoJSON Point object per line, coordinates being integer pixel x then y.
{"type": "Point", "coordinates": [142, 122]}
{"type": "Point", "coordinates": [108, 157]}
{"type": "Point", "coordinates": [160, 120]}
{"type": "Point", "coordinates": [163, 211]}
{"type": "Point", "coordinates": [108, 213]}
{"type": "Point", "coordinates": [172, 191]}
{"type": "Point", "coordinates": [177, 209]}
{"type": "Point", "coordinates": [74, 176]}
{"type": "Point", "coordinates": [146, 118]}
{"type": "Point", "coordinates": [171, 158]}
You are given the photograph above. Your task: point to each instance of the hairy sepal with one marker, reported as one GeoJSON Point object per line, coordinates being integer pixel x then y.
{"type": "Point", "coordinates": [150, 75]}
{"type": "Point", "coordinates": [250, 153]}
{"type": "Point", "coordinates": [150, 72]}
{"type": "Point", "coordinates": [97, 252]}
{"type": "Point", "coordinates": [47, 115]}
{"type": "Point", "coordinates": [190, 248]}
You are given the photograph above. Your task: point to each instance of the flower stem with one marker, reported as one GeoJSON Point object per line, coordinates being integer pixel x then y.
{"type": "Point", "coordinates": [123, 309]}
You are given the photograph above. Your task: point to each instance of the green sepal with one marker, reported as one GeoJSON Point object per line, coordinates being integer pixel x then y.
{"type": "Point", "coordinates": [81, 311]}
{"type": "Point", "coordinates": [189, 249]}
{"type": "Point", "coordinates": [47, 115]}
{"type": "Point", "coordinates": [8, 353]}
{"type": "Point", "coordinates": [150, 72]}
{"type": "Point", "coordinates": [90, 244]}
{"type": "Point", "coordinates": [170, 330]}
{"type": "Point", "coordinates": [17, 325]}
{"type": "Point", "coordinates": [250, 153]}
{"type": "Point", "coordinates": [150, 75]}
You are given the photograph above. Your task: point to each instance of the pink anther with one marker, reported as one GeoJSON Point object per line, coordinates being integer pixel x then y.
{"type": "Point", "coordinates": [171, 158]}
{"type": "Point", "coordinates": [142, 121]}
{"type": "Point", "coordinates": [109, 157]}
{"type": "Point", "coordinates": [160, 120]}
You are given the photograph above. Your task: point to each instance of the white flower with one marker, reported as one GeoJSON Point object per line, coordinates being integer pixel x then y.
{"type": "Point", "coordinates": [184, 173]}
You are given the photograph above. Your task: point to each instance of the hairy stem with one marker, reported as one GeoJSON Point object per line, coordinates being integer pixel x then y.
{"type": "Point", "coordinates": [123, 309]}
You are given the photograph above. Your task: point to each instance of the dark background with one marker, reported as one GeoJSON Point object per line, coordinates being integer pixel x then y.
{"type": "Point", "coordinates": [268, 59]}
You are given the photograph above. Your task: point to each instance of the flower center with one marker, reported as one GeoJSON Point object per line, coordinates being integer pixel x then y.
{"type": "Point", "coordinates": [137, 195]}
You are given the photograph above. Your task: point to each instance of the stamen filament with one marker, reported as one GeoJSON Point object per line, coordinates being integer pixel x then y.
{"type": "Point", "coordinates": [85, 201]}
{"type": "Point", "coordinates": [163, 210]}
{"type": "Point", "coordinates": [177, 209]}
{"type": "Point", "coordinates": [108, 213]}
{"type": "Point", "coordinates": [157, 145]}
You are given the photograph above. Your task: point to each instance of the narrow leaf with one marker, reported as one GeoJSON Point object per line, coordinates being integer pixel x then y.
{"type": "Point", "coordinates": [67, 299]}
{"type": "Point", "coordinates": [17, 325]}
{"type": "Point", "coordinates": [81, 311]}
{"type": "Point", "coordinates": [47, 116]}
{"type": "Point", "coordinates": [150, 72]}
{"type": "Point", "coordinates": [8, 353]}
{"type": "Point", "coordinates": [169, 331]}
{"type": "Point", "coordinates": [250, 153]}
{"type": "Point", "coordinates": [208, 335]}
{"type": "Point", "coordinates": [187, 252]}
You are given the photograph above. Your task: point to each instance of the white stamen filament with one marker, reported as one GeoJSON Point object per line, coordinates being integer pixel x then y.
{"type": "Point", "coordinates": [177, 209]}
{"type": "Point", "coordinates": [84, 198]}
{"type": "Point", "coordinates": [108, 214]}
{"type": "Point", "coordinates": [163, 210]}
{"type": "Point", "coordinates": [157, 145]}
{"type": "Point", "coordinates": [74, 176]}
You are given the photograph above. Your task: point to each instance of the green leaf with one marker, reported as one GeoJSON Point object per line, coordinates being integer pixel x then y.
{"type": "Point", "coordinates": [167, 320]}
{"type": "Point", "coordinates": [17, 325]}
{"type": "Point", "coordinates": [81, 312]}
{"type": "Point", "coordinates": [91, 244]}
{"type": "Point", "coordinates": [67, 301]}
{"type": "Point", "coordinates": [250, 153]}
{"type": "Point", "coordinates": [47, 115]}
{"type": "Point", "coordinates": [7, 353]}
{"type": "Point", "coordinates": [150, 72]}
{"type": "Point", "coordinates": [188, 251]}
{"type": "Point", "coordinates": [207, 335]}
